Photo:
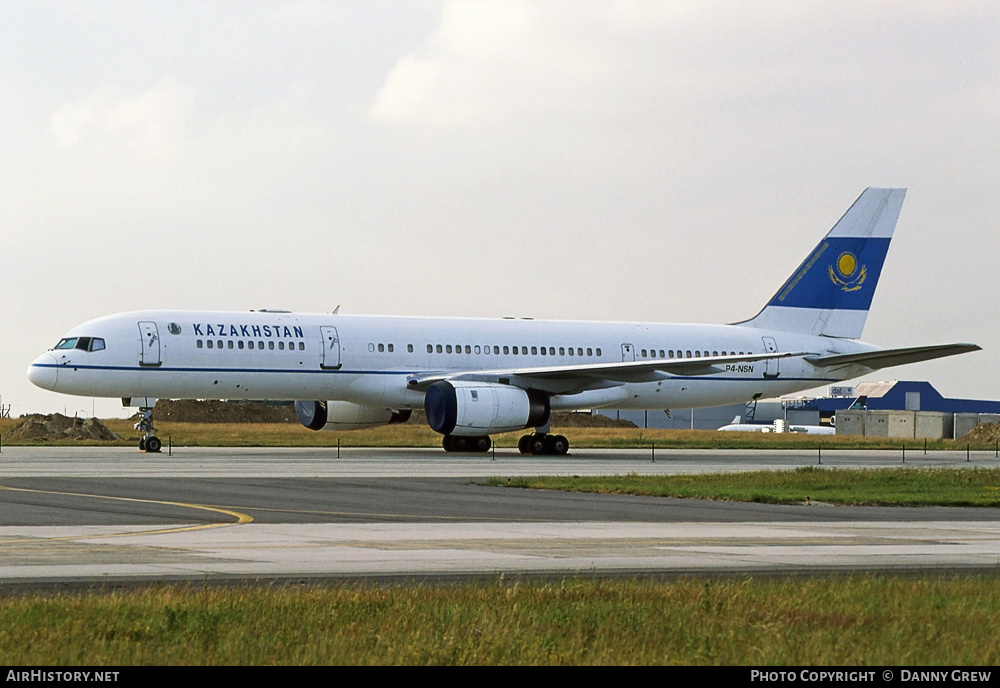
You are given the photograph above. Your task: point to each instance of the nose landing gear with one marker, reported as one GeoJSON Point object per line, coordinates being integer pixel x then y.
{"type": "Point", "coordinates": [149, 442]}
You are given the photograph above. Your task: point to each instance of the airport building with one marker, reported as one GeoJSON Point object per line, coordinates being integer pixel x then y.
{"type": "Point", "coordinates": [890, 409]}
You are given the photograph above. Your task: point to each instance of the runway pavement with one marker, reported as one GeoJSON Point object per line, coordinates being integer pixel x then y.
{"type": "Point", "coordinates": [87, 515]}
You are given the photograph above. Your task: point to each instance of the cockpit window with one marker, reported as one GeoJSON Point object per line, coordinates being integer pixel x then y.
{"type": "Point", "coordinates": [81, 343]}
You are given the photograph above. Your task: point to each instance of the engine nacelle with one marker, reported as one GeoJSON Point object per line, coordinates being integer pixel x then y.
{"type": "Point", "coordinates": [343, 415]}
{"type": "Point", "coordinates": [481, 408]}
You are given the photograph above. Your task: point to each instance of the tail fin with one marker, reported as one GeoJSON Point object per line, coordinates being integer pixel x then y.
{"type": "Point", "coordinates": [831, 292]}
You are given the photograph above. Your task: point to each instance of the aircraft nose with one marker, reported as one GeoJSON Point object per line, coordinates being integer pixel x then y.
{"type": "Point", "coordinates": [44, 372]}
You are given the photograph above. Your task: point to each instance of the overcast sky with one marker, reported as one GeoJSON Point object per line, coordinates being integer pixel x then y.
{"type": "Point", "coordinates": [662, 161]}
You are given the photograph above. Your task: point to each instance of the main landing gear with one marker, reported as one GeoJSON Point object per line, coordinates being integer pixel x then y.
{"type": "Point", "coordinates": [543, 443]}
{"type": "Point", "coordinates": [535, 444]}
{"type": "Point", "coordinates": [149, 442]}
{"type": "Point", "coordinates": [458, 443]}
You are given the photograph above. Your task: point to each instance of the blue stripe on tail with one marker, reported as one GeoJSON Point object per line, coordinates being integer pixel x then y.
{"type": "Point", "coordinates": [840, 273]}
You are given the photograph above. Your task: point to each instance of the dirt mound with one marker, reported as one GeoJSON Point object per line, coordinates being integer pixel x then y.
{"type": "Point", "coordinates": [987, 432]}
{"type": "Point", "coordinates": [60, 427]}
{"type": "Point", "coordinates": [561, 419]}
{"type": "Point", "coordinates": [586, 420]}
{"type": "Point", "coordinates": [192, 411]}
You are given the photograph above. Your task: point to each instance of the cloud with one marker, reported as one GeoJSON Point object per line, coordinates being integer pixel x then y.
{"type": "Point", "coordinates": [149, 125]}
{"type": "Point", "coordinates": [489, 61]}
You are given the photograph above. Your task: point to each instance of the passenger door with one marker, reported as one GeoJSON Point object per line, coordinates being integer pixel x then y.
{"type": "Point", "coordinates": [330, 358]}
{"type": "Point", "coordinates": [771, 364]}
{"type": "Point", "coordinates": [149, 344]}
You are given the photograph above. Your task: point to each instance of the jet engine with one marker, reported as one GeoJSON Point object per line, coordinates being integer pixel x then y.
{"type": "Point", "coordinates": [343, 415]}
{"type": "Point", "coordinates": [481, 408]}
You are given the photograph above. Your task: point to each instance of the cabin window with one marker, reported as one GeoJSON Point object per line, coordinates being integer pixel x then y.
{"type": "Point", "coordinates": [210, 344]}
{"type": "Point", "coordinates": [281, 346]}
{"type": "Point", "coordinates": [409, 349]}
{"type": "Point", "coordinates": [302, 346]}
{"type": "Point", "coordinates": [468, 349]}
{"type": "Point", "coordinates": [478, 349]}
{"type": "Point", "coordinates": [598, 351]}
{"type": "Point", "coordinates": [570, 351]}
{"type": "Point", "coordinates": [381, 348]}
{"type": "Point", "coordinates": [496, 350]}
{"type": "Point", "coordinates": [240, 344]}
{"type": "Point", "coordinates": [590, 352]}
{"type": "Point", "coordinates": [230, 344]}
{"type": "Point", "coordinates": [562, 351]}
{"type": "Point", "coordinates": [250, 345]}
{"type": "Point", "coordinates": [218, 344]}
{"type": "Point", "coordinates": [270, 345]}
{"type": "Point", "coordinates": [534, 351]}
{"type": "Point", "coordinates": [199, 344]}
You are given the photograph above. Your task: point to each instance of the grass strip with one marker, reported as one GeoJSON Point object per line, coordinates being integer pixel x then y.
{"type": "Point", "coordinates": [884, 486]}
{"type": "Point", "coordinates": [834, 621]}
{"type": "Point", "coordinates": [294, 435]}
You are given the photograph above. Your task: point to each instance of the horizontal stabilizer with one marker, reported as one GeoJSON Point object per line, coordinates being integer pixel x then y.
{"type": "Point", "coordinates": [886, 358]}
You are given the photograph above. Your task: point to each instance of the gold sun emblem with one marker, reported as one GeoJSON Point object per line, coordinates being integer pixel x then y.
{"type": "Point", "coordinates": [848, 275]}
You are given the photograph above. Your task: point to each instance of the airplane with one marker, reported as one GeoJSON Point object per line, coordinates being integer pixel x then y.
{"type": "Point", "coordinates": [478, 377]}
{"type": "Point", "coordinates": [736, 426]}
{"type": "Point", "coordinates": [777, 426]}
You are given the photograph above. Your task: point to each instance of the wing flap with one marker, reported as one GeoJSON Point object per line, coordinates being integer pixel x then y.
{"type": "Point", "coordinates": [594, 376]}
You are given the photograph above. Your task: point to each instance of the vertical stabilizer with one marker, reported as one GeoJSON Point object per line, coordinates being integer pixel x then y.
{"type": "Point", "coordinates": [831, 292]}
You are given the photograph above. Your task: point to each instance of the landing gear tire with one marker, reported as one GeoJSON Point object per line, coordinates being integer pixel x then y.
{"type": "Point", "coordinates": [541, 443]}
{"type": "Point", "coordinates": [142, 444]}
{"type": "Point", "coordinates": [457, 443]}
{"type": "Point", "coordinates": [556, 444]}
{"type": "Point", "coordinates": [153, 445]}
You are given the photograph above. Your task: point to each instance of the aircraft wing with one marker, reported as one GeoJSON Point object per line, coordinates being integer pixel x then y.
{"type": "Point", "coordinates": [564, 378]}
{"type": "Point", "coordinates": [886, 358]}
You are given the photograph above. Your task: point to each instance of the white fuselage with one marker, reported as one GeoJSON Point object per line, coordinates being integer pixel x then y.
{"type": "Point", "coordinates": [371, 360]}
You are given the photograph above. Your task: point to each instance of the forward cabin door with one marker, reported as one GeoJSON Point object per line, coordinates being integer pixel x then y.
{"type": "Point", "coordinates": [628, 353]}
{"type": "Point", "coordinates": [330, 358]}
{"type": "Point", "coordinates": [149, 344]}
